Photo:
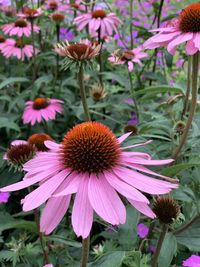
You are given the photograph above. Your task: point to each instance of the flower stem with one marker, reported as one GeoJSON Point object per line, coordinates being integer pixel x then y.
{"type": "Point", "coordinates": [159, 245]}
{"type": "Point", "coordinates": [85, 251]}
{"type": "Point", "coordinates": [45, 255]}
{"type": "Point", "coordinates": [186, 100]}
{"type": "Point", "coordinates": [100, 60]}
{"type": "Point", "coordinates": [33, 44]}
{"type": "Point", "coordinates": [195, 68]}
{"type": "Point", "coordinates": [82, 92]}
{"type": "Point", "coordinates": [131, 23]}
{"type": "Point", "coordinates": [132, 92]}
{"type": "Point", "coordinates": [57, 56]}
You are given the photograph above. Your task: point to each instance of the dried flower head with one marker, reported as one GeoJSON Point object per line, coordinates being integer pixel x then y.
{"type": "Point", "coordinates": [97, 93]}
{"type": "Point", "coordinates": [166, 209]}
{"type": "Point", "coordinates": [18, 155]}
{"type": "Point", "coordinates": [38, 141]}
{"type": "Point", "coordinates": [179, 127]}
{"type": "Point", "coordinates": [76, 53]}
{"type": "Point", "coordinates": [131, 128]}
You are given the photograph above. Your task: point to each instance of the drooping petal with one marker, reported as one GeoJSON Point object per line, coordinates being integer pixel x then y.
{"type": "Point", "coordinates": [143, 208]}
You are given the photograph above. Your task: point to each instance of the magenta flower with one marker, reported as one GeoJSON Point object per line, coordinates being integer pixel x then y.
{"type": "Point", "coordinates": [17, 48]}
{"type": "Point", "coordinates": [192, 261]}
{"type": "Point", "coordinates": [128, 57]}
{"type": "Point", "coordinates": [4, 196]}
{"type": "Point", "coordinates": [142, 230]}
{"type": "Point", "coordinates": [30, 13]}
{"type": "Point", "coordinates": [91, 163]}
{"type": "Point", "coordinates": [185, 28]}
{"type": "Point", "coordinates": [41, 108]}
{"type": "Point", "coordinates": [48, 265]}
{"type": "Point", "coordinates": [98, 20]}
{"type": "Point", "coordinates": [20, 27]}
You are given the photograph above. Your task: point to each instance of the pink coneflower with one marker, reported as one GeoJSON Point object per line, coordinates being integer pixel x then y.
{"type": "Point", "coordinates": [30, 13]}
{"type": "Point", "coordinates": [128, 57]}
{"type": "Point", "coordinates": [192, 261]}
{"type": "Point", "coordinates": [185, 28]}
{"type": "Point", "coordinates": [17, 48]}
{"type": "Point", "coordinates": [20, 27]}
{"type": "Point", "coordinates": [41, 108]}
{"type": "Point", "coordinates": [91, 163]}
{"type": "Point", "coordinates": [55, 5]}
{"type": "Point", "coordinates": [98, 20]}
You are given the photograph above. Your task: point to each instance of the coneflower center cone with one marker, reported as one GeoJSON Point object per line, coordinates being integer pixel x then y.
{"type": "Point", "coordinates": [99, 13]}
{"type": "Point", "coordinates": [38, 141]}
{"type": "Point", "coordinates": [90, 147]}
{"type": "Point", "coordinates": [190, 18]}
{"type": "Point", "coordinates": [53, 5]}
{"type": "Point", "coordinates": [79, 49]}
{"type": "Point", "coordinates": [20, 23]}
{"type": "Point", "coordinates": [40, 103]}
{"type": "Point", "coordinates": [2, 38]}
{"type": "Point", "coordinates": [20, 154]}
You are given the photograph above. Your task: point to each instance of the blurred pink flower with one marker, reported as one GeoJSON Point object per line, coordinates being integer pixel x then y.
{"type": "Point", "coordinates": [185, 28]}
{"type": "Point", "coordinates": [98, 20]}
{"type": "Point", "coordinates": [91, 163]}
{"type": "Point", "coordinates": [48, 265]}
{"type": "Point", "coordinates": [30, 13]}
{"type": "Point", "coordinates": [17, 49]}
{"type": "Point", "coordinates": [128, 57]}
{"type": "Point", "coordinates": [55, 5]}
{"type": "Point", "coordinates": [192, 261]}
{"type": "Point", "coordinates": [20, 27]}
{"type": "Point", "coordinates": [41, 108]}
{"type": "Point", "coordinates": [4, 196]}
{"type": "Point", "coordinates": [142, 230]}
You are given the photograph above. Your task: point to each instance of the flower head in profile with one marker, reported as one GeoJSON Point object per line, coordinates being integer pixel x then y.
{"type": "Point", "coordinates": [30, 13]}
{"type": "Point", "coordinates": [41, 108]}
{"type": "Point", "coordinates": [20, 28]}
{"type": "Point", "coordinates": [90, 163]}
{"type": "Point", "coordinates": [192, 261]}
{"type": "Point", "coordinates": [19, 153]}
{"type": "Point", "coordinates": [17, 48]}
{"type": "Point", "coordinates": [55, 5]}
{"type": "Point", "coordinates": [77, 53]}
{"type": "Point", "coordinates": [128, 57]}
{"type": "Point", "coordinates": [184, 29]}
{"type": "Point", "coordinates": [98, 21]}
{"type": "Point", "coordinates": [57, 17]}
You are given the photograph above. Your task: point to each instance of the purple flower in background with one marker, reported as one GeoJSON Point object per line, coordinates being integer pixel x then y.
{"type": "Point", "coordinates": [5, 2]}
{"type": "Point", "coordinates": [179, 63]}
{"type": "Point", "coordinates": [66, 34]}
{"type": "Point", "coordinates": [142, 230]}
{"type": "Point", "coordinates": [100, 5]}
{"type": "Point", "coordinates": [134, 119]}
{"type": "Point", "coordinates": [4, 196]}
{"type": "Point", "coordinates": [152, 249]}
{"type": "Point", "coordinates": [192, 261]}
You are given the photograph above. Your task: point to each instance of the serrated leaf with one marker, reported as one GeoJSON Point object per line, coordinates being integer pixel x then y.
{"type": "Point", "coordinates": [176, 169]}
{"type": "Point", "coordinates": [5, 122]}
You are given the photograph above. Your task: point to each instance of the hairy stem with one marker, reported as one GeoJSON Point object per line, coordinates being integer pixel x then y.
{"type": "Point", "coordinates": [33, 44]}
{"type": "Point", "coordinates": [45, 255]}
{"type": "Point", "coordinates": [195, 68]}
{"type": "Point", "coordinates": [159, 245]}
{"type": "Point", "coordinates": [82, 92]}
{"type": "Point", "coordinates": [100, 60]}
{"type": "Point", "coordinates": [85, 251]}
{"type": "Point", "coordinates": [186, 99]}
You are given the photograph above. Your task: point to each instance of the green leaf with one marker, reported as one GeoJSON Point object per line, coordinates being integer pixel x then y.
{"type": "Point", "coordinates": [65, 241]}
{"type": "Point", "coordinates": [127, 233]}
{"type": "Point", "coordinates": [168, 250]}
{"type": "Point", "coordinates": [13, 80]}
{"type": "Point", "coordinates": [176, 169]}
{"type": "Point", "coordinates": [190, 238]}
{"type": "Point", "coordinates": [5, 122]}
{"type": "Point", "coordinates": [155, 90]}
{"type": "Point", "coordinates": [113, 259]}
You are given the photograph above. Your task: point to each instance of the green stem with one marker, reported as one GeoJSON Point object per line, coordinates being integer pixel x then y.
{"type": "Point", "coordinates": [45, 255]}
{"type": "Point", "coordinates": [133, 93]}
{"type": "Point", "coordinates": [33, 44]}
{"type": "Point", "coordinates": [186, 99]}
{"type": "Point", "coordinates": [159, 245]}
{"type": "Point", "coordinates": [85, 251]}
{"type": "Point", "coordinates": [82, 92]}
{"type": "Point", "coordinates": [131, 24]}
{"type": "Point", "coordinates": [100, 60]}
{"type": "Point", "coordinates": [195, 68]}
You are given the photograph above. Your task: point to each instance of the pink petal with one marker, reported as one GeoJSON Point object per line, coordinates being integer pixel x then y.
{"type": "Point", "coordinates": [123, 137]}
{"type": "Point", "coordinates": [105, 200]}
{"type": "Point", "coordinates": [53, 213]}
{"type": "Point", "coordinates": [82, 212]}
{"type": "Point", "coordinates": [143, 208]}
